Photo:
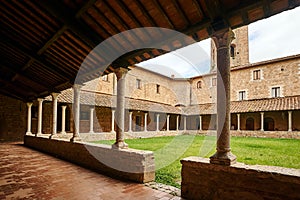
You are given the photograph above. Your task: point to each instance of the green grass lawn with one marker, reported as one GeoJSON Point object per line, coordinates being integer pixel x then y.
{"type": "Point", "coordinates": [168, 151]}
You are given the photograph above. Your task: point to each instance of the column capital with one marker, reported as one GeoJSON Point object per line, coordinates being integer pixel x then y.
{"type": "Point", "coordinates": [223, 38]}
{"type": "Point", "coordinates": [40, 99]}
{"type": "Point", "coordinates": [54, 95]}
{"type": "Point", "coordinates": [29, 104]}
{"type": "Point", "coordinates": [120, 72]}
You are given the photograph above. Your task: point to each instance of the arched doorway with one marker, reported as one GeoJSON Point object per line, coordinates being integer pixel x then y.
{"type": "Point", "coordinates": [250, 124]}
{"type": "Point", "coordinates": [268, 124]}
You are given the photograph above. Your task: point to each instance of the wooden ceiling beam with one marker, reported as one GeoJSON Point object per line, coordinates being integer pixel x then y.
{"type": "Point", "coordinates": [180, 12]}
{"type": "Point", "coordinates": [163, 13]}
{"type": "Point", "coordinates": [35, 58]}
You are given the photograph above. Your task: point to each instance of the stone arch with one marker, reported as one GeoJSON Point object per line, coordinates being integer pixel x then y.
{"type": "Point", "coordinates": [250, 124]}
{"type": "Point", "coordinates": [269, 124]}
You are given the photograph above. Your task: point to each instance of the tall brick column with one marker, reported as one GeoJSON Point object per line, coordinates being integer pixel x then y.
{"type": "Point", "coordinates": [120, 110]}
{"type": "Point", "coordinates": [29, 104]}
{"type": "Point", "coordinates": [76, 111]}
{"type": "Point", "coordinates": [54, 114]}
{"type": "Point", "coordinates": [40, 114]}
{"type": "Point", "coordinates": [223, 156]}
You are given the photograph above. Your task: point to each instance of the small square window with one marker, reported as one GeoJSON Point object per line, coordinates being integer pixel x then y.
{"type": "Point", "coordinates": [275, 91]}
{"type": "Point", "coordinates": [84, 115]}
{"type": "Point", "coordinates": [157, 89]}
{"type": "Point", "coordinates": [256, 75]}
{"type": "Point", "coordinates": [199, 84]}
{"type": "Point", "coordinates": [214, 81]}
{"type": "Point", "coordinates": [138, 83]}
{"type": "Point", "coordinates": [242, 95]}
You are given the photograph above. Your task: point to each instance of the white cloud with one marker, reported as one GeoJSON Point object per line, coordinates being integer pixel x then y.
{"type": "Point", "coordinates": [274, 37]}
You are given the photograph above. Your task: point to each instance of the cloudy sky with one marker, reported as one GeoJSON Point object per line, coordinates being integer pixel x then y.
{"type": "Point", "coordinates": [274, 37]}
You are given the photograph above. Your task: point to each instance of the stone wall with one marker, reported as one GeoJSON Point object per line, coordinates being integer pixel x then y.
{"type": "Point", "coordinates": [202, 180]}
{"type": "Point", "coordinates": [282, 73]}
{"type": "Point", "coordinates": [128, 164]}
{"type": "Point", "coordinates": [13, 119]}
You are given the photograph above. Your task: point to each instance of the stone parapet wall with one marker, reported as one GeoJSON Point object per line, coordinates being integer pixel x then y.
{"type": "Point", "coordinates": [202, 180]}
{"type": "Point", "coordinates": [267, 134]}
{"type": "Point", "coordinates": [128, 164]}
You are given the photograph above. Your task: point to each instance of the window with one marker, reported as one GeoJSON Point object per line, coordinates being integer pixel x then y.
{"type": "Point", "coordinates": [256, 75]}
{"type": "Point", "coordinates": [276, 92]}
{"type": "Point", "coordinates": [84, 115]}
{"type": "Point", "coordinates": [157, 89]}
{"type": "Point", "coordinates": [213, 81]}
{"type": "Point", "coordinates": [242, 95]}
{"type": "Point", "coordinates": [232, 50]}
{"type": "Point", "coordinates": [138, 83]}
{"type": "Point", "coordinates": [199, 84]}
{"type": "Point", "coordinates": [105, 78]}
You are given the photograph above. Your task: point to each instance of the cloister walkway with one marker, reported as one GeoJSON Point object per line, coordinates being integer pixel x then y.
{"type": "Point", "coordinates": [29, 174]}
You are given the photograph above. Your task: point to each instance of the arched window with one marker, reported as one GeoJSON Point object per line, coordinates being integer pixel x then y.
{"type": "Point", "coordinates": [232, 50]}
{"type": "Point", "coordinates": [199, 84]}
{"type": "Point", "coordinates": [250, 124]}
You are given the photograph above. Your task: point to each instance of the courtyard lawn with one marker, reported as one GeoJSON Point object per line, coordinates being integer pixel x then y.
{"type": "Point", "coordinates": [168, 152]}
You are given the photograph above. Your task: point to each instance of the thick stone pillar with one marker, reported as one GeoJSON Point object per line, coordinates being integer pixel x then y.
{"type": "Point", "coordinates": [177, 123]}
{"type": "Point", "coordinates": [223, 156]}
{"type": "Point", "coordinates": [184, 123]}
{"type": "Point", "coordinates": [157, 122]}
{"type": "Point", "coordinates": [113, 121]}
{"type": "Point", "coordinates": [290, 121]}
{"type": "Point", "coordinates": [63, 119]}
{"type": "Point", "coordinates": [200, 123]}
{"type": "Point", "coordinates": [168, 122]}
{"type": "Point", "coordinates": [29, 105]}
{"type": "Point", "coordinates": [130, 122]}
{"type": "Point", "coordinates": [76, 112]}
{"type": "Point", "coordinates": [238, 122]}
{"type": "Point", "coordinates": [54, 114]}
{"type": "Point", "coordinates": [120, 110]}
{"type": "Point", "coordinates": [145, 122]}
{"type": "Point", "coordinates": [91, 120]}
{"type": "Point", "coordinates": [40, 115]}
{"type": "Point", "coordinates": [262, 121]}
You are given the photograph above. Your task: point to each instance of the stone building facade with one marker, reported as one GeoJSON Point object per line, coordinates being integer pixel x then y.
{"type": "Point", "coordinates": [265, 97]}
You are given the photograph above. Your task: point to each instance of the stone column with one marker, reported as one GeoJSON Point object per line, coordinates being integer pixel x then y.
{"type": "Point", "coordinates": [157, 122]}
{"type": "Point", "coordinates": [130, 122]}
{"type": "Point", "coordinates": [29, 105]}
{"type": "Point", "coordinates": [177, 123]}
{"type": "Point", "coordinates": [145, 122]}
{"type": "Point", "coordinates": [54, 114]}
{"type": "Point", "coordinates": [91, 120]}
{"type": "Point", "coordinates": [184, 123]}
{"type": "Point", "coordinates": [120, 110]}
{"type": "Point", "coordinates": [168, 122]}
{"type": "Point", "coordinates": [262, 121]}
{"type": "Point", "coordinates": [40, 115]}
{"type": "Point", "coordinates": [238, 122]}
{"type": "Point", "coordinates": [200, 123]}
{"type": "Point", "coordinates": [63, 119]}
{"type": "Point", "coordinates": [113, 121]}
{"type": "Point", "coordinates": [223, 156]}
{"type": "Point", "coordinates": [290, 121]}
{"type": "Point", "coordinates": [76, 112]}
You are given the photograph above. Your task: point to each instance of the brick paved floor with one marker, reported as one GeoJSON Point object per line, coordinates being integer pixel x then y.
{"type": "Point", "coordinates": [29, 174]}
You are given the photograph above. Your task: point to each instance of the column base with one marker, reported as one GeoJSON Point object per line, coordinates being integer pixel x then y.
{"type": "Point", "coordinates": [120, 145]}
{"type": "Point", "coordinates": [223, 158]}
{"type": "Point", "coordinates": [75, 139]}
{"type": "Point", "coordinates": [53, 136]}
{"type": "Point", "coordinates": [63, 132]}
{"type": "Point", "coordinates": [29, 133]}
{"type": "Point", "coordinates": [91, 132]}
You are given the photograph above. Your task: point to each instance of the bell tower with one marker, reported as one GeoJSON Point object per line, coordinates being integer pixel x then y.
{"type": "Point", "coordinates": [239, 49]}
